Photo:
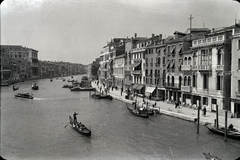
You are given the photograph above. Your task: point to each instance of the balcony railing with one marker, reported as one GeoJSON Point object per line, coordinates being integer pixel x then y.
{"type": "Point", "coordinates": [137, 72]}
{"type": "Point", "coordinates": [147, 64]}
{"type": "Point", "coordinates": [186, 67]}
{"type": "Point", "coordinates": [157, 64]}
{"type": "Point", "coordinates": [194, 67]}
{"type": "Point", "coordinates": [186, 88]}
{"type": "Point", "coordinates": [151, 64]}
{"type": "Point", "coordinates": [204, 67]}
{"type": "Point", "coordinates": [174, 86]}
{"type": "Point", "coordinates": [219, 68]}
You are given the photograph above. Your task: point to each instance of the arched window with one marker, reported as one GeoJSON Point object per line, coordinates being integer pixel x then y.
{"type": "Point", "coordinates": [185, 81]}
{"type": "Point", "coordinates": [180, 81]}
{"type": "Point", "coordinates": [172, 80]}
{"type": "Point", "coordinates": [168, 81]}
{"type": "Point", "coordinates": [189, 81]}
{"type": "Point", "coordinates": [189, 61]}
{"type": "Point", "coordinates": [185, 61]}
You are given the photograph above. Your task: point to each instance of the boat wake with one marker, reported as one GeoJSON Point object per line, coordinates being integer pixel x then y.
{"type": "Point", "coordinates": [51, 99]}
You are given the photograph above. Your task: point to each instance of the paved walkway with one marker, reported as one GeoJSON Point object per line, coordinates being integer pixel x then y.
{"type": "Point", "coordinates": [185, 113]}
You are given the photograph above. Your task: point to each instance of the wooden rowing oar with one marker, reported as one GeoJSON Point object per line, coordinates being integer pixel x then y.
{"type": "Point", "coordinates": [66, 125]}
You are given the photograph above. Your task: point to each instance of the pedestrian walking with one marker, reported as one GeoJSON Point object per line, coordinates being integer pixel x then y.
{"type": "Point", "coordinates": [204, 111]}
{"type": "Point", "coordinates": [177, 104]}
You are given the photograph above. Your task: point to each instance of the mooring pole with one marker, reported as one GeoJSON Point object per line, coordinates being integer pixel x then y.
{"type": "Point", "coordinates": [225, 135]}
{"type": "Point", "coordinates": [217, 116]}
{"type": "Point", "coordinates": [198, 119]}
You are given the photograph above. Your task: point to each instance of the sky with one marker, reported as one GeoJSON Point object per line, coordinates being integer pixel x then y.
{"type": "Point", "coordinates": [76, 30]}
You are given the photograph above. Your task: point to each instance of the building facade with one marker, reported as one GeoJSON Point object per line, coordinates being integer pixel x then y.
{"type": "Point", "coordinates": [235, 74]}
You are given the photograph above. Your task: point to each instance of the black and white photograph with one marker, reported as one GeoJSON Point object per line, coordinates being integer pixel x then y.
{"type": "Point", "coordinates": [120, 80]}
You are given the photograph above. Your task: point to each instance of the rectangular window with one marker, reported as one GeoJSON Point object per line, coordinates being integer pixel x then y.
{"type": "Point", "coordinates": [219, 82]}
{"type": "Point", "coordinates": [239, 44]}
{"type": "Point", "coordinates": [238, 86]}
{"type": "Point", "coordinates": [205, 81]}
{"type": "Point", "coordinates": [194, 81]}
{"type": "Point", "coordinates": [238, 64]}
{"type": "Point", "coordinates": [209, 40]}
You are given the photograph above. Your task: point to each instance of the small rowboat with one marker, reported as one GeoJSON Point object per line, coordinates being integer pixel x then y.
{"type": "Point", "coordinates": [80, 127]}
{"type": "Point", "coordinates": [234, 134]}
{"type": "Point", "coordinates": [143, 114]}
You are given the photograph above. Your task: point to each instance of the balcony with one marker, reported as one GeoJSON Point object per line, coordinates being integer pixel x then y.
{"type": "Point", "coordinates": [219, 68]}
{"type": "Point", "coordinates": [204, 67]}
{"type": "Point", "coordinates": [157, 74]}
{"type": "Point", "coordinates": [237, 94]}
{"type": "Point", "coordinates": [147, 64]}
{"type": "Point", "coordinates": [173, 86]}
{"type": "Point", "coordinates": [186, 89]}
{"type": "Point", "coordinates": [138, 72]}
{"type": "Point", "coordinates": [194, 68]}
{"type": "Point", "coordinates": [157, 64]}
{"type": "Point", "coordinates": [149, 75]}
{"type": "Point", "coordinates": [151, 64]}
{"type": "Point", "coordinates": [186, 68]}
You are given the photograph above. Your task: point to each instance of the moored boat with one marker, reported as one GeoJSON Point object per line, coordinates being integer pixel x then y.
{"type": "Point", "coordinates": [136, 112]}
{"type": "Point", "coordinates": [234, 134]}
{"type": "Point", "coordinates": [79, 127]}
{"type": "Point", "coordinates": [24, 95]}
{"type": "Point", "coordinates": [82, 89]}
{"type": "Point", "coordinates": [101, 96]}
{"type": "Point", "coordinates": [208, 156]}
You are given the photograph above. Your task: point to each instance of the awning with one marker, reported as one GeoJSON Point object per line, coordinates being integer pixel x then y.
{"type": "Point", "coordinates": [180, 48]}
{"type": "Point", "coordinates": [135, 86]}
{"type": "Point", "coordinates": [168, 62]}
{"type": "Point", "coordinates": [173, 47]}
{"type": "Point", "coordinates": [135, 65]}
{"type": "Point", "coordinates": [128, 83]}
{"type": "Point", "coordinates": [139, 87]}
{"type": "Point", "coordinates": [150, 89]}
{"type": "Point", "coordinates": [172, 64]}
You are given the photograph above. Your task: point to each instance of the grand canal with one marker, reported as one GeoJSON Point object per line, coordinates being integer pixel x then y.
{"type": "Point", "coordinates": [34, 129]}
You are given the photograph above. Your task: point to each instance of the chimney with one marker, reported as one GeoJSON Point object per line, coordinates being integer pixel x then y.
{"type": "Point", "coordinates": [160, 37]}
{"type": "Point", "coordinates": [135, 35]}
{"type": "Point", "coordinates": [152, 35]}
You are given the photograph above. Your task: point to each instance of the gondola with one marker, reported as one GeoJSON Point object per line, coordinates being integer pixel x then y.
{"type": "Point", "coordinates": [82, 89]}
{"type": "Point", "coordinates": [24, 95]}
{"type": "Point", "coordinates": [15, 88]}
{"type": "Point", "coordinates": [34, 86]}
{"type": "Point", "coordinates": [80, 127]}
{"type": "Point", "coordinates": [101, 96]}
{"type": "Point", "coordinates": [143, 114]}
{"type": "Point", "coordinates": [234, 134]}
{"type": "Point", "coordinates": [208, 156]}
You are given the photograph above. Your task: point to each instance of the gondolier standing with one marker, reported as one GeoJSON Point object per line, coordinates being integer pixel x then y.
{"type": "Point", "coordinates": [75, 118]}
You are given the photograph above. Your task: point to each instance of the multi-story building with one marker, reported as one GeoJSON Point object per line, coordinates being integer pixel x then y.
{"type": "Point", "coordinates": [137, 65]}
{"type": "Point", "coordinates": [33, 59]}
{"type": "Point", "coordinates": [118, 71]}
{"type": "Point", "coordinates": [111, 50]}
{"type": "Point", "coordinates": [155, 68]}
{"type": "Point", "coordinates": [235, 74]}
{"type": "Point", "coordinates": [23, 61]}
{"type": "Point", "coordinates": [211, 66]}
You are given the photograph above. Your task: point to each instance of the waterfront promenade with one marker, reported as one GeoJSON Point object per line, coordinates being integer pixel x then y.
{"type": "Point", "coordinates": [185, 113]}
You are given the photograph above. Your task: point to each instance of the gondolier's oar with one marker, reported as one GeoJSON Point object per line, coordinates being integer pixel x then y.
{"type": "Point", "coordinates": [66, 125]}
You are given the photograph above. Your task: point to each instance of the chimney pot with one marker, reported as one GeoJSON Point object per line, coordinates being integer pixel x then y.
{"type": "Point", "coordinates": [135, 35]}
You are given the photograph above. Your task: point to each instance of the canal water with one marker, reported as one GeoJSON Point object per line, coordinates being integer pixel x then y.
{"type": "Point", "coordinates": [35, 129]}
